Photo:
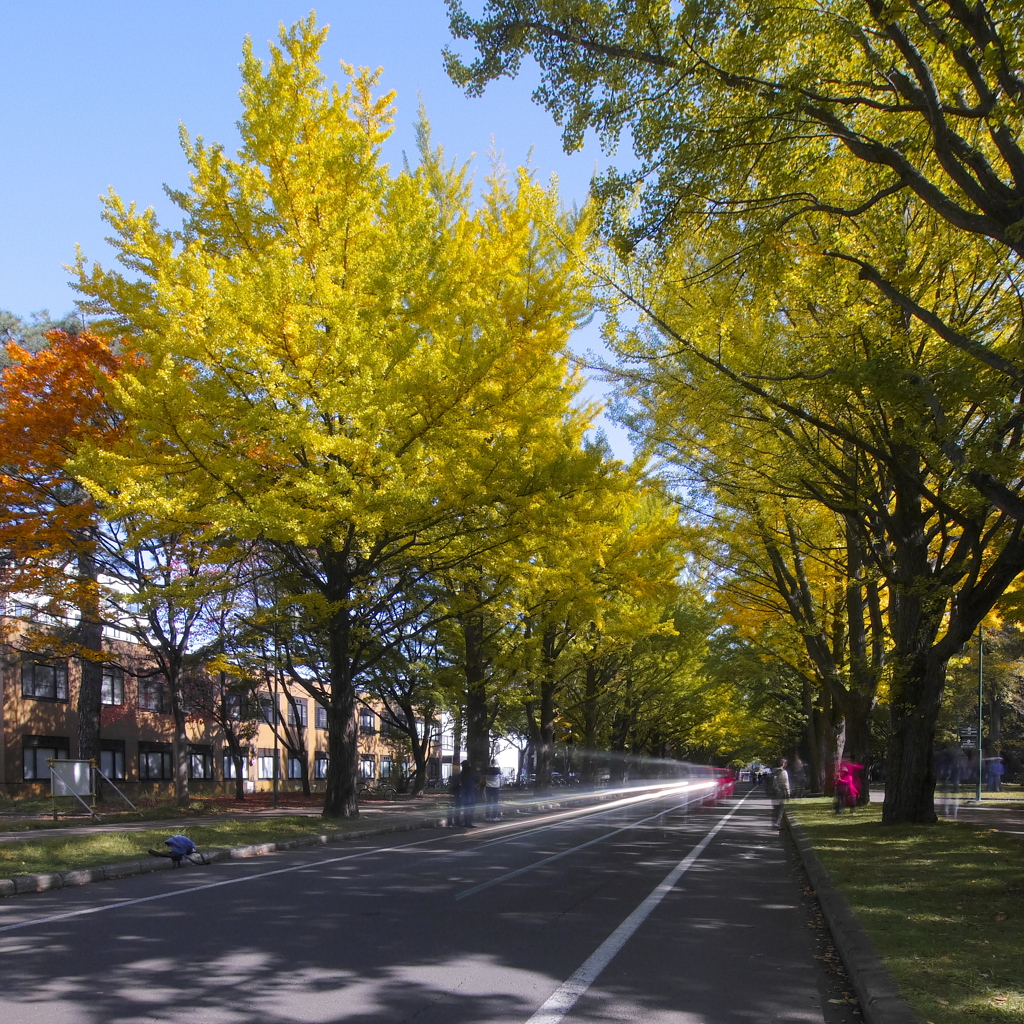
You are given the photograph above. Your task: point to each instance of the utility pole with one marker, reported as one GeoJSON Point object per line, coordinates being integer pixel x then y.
{"type": "Point", "coordinates": [981, 695]}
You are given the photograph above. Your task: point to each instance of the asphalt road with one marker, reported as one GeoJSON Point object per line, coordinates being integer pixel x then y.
{"type": "Point", "coordinates": [653, 910]}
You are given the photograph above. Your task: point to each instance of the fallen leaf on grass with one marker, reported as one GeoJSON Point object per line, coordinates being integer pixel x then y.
{"type": "Point", "coordinates": [999, 999]}
{"type": "Point", "coordinates": [1000, 917]}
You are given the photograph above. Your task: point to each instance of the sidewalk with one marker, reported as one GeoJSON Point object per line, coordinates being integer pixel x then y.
{"type": "Point", "coordinates": [370, 811]}
{"type": "Point", "coordinates": [1000, 818]}
{"type": "Point", "coordinates": [380, 819]}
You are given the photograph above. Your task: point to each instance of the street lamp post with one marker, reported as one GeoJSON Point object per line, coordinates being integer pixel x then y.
{"type": "Point", "coordinates": [981, 694]}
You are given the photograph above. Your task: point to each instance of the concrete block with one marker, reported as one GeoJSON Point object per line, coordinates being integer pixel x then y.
{"type": "Point", "coordinates": [79, 876]}
{"type": "Point", "coordinates": [7, 887]}
{"type": "Point", "coordinates": [36, 883]}
{"type": "Point", "coordinates": [122, 870]}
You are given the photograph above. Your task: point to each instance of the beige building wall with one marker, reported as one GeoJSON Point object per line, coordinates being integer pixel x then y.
{"type": "Point", "coordinates": [38, 720]}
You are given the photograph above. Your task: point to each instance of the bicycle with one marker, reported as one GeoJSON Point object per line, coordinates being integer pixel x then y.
{"type": "Point", "coordinates": [383, 791]}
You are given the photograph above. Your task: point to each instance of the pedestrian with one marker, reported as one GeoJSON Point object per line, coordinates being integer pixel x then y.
{"type": "Point", "coordinates": [779, 791]}
{"type": "Point", "coordinates": [994, 773]}
{"type": "Point", "coordinates": [948, 779]}
{"type": "Point", "coordinates": [455, 785]}
{"type": "Point", "coordinates": [847, 786]}
{"type": "Point", "coordinates": [467, 793]}
{"type": "Point", "coordinates": [181, 848]}
{"type": "Point", "coordinates": [799, 777]}
{"type": "Point", "coordinates": [492, 792]}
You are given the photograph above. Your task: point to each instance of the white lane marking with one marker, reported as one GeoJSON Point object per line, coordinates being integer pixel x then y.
{"type": "Point", "coordinates": [565, 853]}
{"type": "Point", "coordinates": [565, 997]}
{"type": "Point", "coordinates": [208, 885]}
{"type": "Point", "coordinates": [215, 885]}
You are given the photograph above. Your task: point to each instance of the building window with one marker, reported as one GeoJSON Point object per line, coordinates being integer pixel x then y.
{"type": "Point", "coordinates": [387, 766]}
{"type": "Point", "coordinates": [269, 709]}
{"type": "Point", "coordinates": [233, 706]}
{"type": "Point", "coordinates": [367, 766]}
{"type": "Point", "coordinates": [297, 714]}
{"type": "Point", "coordinates": [294, 768]}
{"type": "Point", "coordinates": [320, 763]}
{"type": "Point", "coordinates": [200, 763]}
{"type": "Point", "coordinates": [321, 717]}
{"type": "Point", "coordinates": [265, 764]}
{"type": "Point", "coordinates": [44, 680]}
{"type": "Point", "coordinates": [35, 752]}
{"type": "Point", "coordinates": [112, 762]}
{"type": "Point", "coordinates": [367, 721]}
{"type": "Point", "coordinates": [153, 694]}
{"type": "Point", "coordinates": [112, 688]}
{"type": "Point", "coordinates": [229, 766]}
{"type": "Point", "coordinates": [156, 762]}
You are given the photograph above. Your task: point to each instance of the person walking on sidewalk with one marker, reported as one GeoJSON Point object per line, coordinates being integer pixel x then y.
{"type": "Point", "coordinates": [467, 790]}
{"type": "Point", "coordinates": [455, 787]}
{"type": "Point", "coordinates": [995, 771]}
{"type": "Point", "coordinates": [492, 792]}
{"type": "Point", "coordinates": [779, 792]}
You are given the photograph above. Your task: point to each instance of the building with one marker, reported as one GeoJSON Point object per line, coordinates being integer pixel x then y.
{"type": "Point", "coordinates": [39, 720]}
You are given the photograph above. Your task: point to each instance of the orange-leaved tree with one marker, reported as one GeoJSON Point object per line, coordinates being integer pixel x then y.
{"type": "Point", "coordinates": [50, 401]}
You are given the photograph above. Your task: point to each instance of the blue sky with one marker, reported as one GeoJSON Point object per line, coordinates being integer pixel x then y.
{"type": "Point", "coordinates": [92, 93]}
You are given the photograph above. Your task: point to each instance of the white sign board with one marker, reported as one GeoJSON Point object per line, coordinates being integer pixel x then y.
{"type": "Point", "coordinates": [71, 778]}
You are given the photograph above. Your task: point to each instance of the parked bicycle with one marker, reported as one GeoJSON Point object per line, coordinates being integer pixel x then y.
{"type": "Point", "coordinates": [381, 791]}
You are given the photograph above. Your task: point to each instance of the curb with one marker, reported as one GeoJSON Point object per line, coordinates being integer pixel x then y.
{"type": "Point", "coordinates": [21, 885]}
{"type": "Point", "coordinates": [876, 989]}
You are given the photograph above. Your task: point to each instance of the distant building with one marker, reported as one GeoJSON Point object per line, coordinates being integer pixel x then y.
{"type": "Point", "coordinates": [39, 720]}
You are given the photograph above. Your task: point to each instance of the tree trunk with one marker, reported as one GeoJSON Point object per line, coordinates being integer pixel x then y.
{"type": "Point", "coordinates": [179, 747]}
{"type": "Point", "coordinates": [234, 749]}
{"type": "Point", "coordinates": [456, 737]}
{"type": "Point", "coordinates": [89, 638]}
{"type": "Point", "coordinates": [857, 746]}
{"type": "Point", "coordinates": [340, 800]}
{"type": "Point", "coordinates": [910, 779]}
{"type": "Point", "coordinates": [545, 736]}
{"type": "Point", "coordinates": [420, 746]}
{"type": "Point", "coordinates": [917, 604]}
{"type": "Point", "coordinates": [591, 689]}
{"type": "Point", "coordinates": [831, 731]}
{"type": "Point", "coordinates": [478, 738]}
{"type": "Point", "coordinates": [815, 771]}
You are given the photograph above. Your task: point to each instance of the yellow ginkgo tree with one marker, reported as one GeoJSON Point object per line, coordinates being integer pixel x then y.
{"type": "Point", "coordinates": [346, 363]}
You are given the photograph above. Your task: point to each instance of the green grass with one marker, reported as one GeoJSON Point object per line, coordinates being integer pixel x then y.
{"type": "Point", "coordinates": [944, 904]}
{"type": "Point", "coordinates": [55, 853]}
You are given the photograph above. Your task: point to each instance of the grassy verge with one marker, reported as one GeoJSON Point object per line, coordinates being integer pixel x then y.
{"type": "Point", "coordinates": [54, 853]}
{"type": "Point", "coordinates": [944, 904]}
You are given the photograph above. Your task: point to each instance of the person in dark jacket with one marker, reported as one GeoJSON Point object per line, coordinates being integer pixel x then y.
{"type": "Point", "coordinates": [467, 793]}
{"type": "Point", "coordinates": [455, 787]}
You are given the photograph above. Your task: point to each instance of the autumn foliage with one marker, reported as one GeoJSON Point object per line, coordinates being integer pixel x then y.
{"type": "Point", "coordinates": [50, 401]}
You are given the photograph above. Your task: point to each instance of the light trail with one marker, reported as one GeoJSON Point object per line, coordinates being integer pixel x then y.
{"type": "Point", "coordinates": [570, 817]}
{"type": "Point", "coordinates": [565, 853]}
